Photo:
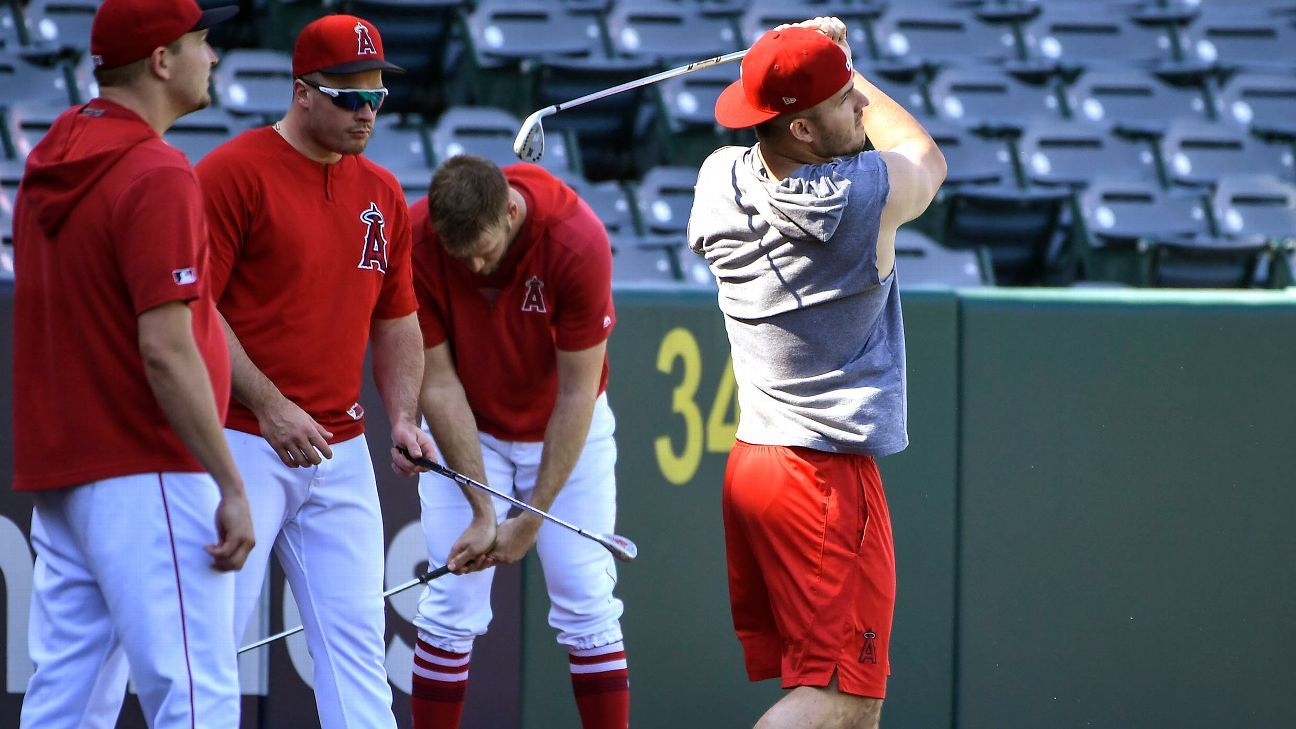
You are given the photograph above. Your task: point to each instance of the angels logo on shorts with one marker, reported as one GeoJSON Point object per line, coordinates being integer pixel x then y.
{"type": "Point", "coordinates": [868, 654]}
{"type": "Point", "coordinates": [364, 44]}
{"type": "Point", "coordinates": [374, 256]}
{"type": "Point", "coordinates": [534, 300]}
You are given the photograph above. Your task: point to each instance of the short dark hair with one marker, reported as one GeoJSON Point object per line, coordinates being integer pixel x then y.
{"type": "Point", "coordinates": [131, 72]}
{"type": "Point", "coordinates": [467, 197]}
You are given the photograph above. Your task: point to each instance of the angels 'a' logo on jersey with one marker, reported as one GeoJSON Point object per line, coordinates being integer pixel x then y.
{"type": "Point", "coordinates": [534, 299]}
{"type": "Point", "coordinates": [364, 43]}
{"type": "Point", "coordinates": [374, 256]}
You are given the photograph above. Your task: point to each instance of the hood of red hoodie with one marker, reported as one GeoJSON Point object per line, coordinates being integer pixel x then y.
{"type": "Point", "coordinates": [82, 145]}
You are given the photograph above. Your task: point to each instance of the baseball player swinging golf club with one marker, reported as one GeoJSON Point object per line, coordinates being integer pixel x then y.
{"type": "Point", "coordinates": [121, 379]}
{"type": "Point", "coordinates": [799, 231]}
{"type": "Point", "coordinates": [513, 275]}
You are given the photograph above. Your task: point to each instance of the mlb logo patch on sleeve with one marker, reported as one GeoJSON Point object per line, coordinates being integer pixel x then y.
{"type": "Point", "coordinates": [184, 276]}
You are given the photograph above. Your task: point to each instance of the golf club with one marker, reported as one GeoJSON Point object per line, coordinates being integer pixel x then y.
{"type": "Point", "coordinates": [424, 578]}
{"type": "Point", "coordinates": [529, 143]}
{"type": "Point", "coordinates": [620, 547]}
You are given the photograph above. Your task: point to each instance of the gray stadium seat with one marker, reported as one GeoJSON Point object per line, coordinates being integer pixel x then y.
{"type": "Point", "coordinates": [1199, 153]}
{"type": "Point", "coordinates": [398, 144]}
{"type": "Point", "coordinates": [1132, 98]}
{"type": "Point", "coordinates": [62, 23]}
{"type": "Point", "coordinates": [414, 183]}
{"type": "Point", "coordinates": [199, 133]}
{"type": "Point", "coordinates": [972, 160]}
{"type": "Point", "coordinates": [419, 36]}
{"type": "Point", "coordinates": [489, 133]}
{"type": "Point", "coordinates": [1239, 38]}
{"type": "Point", "coordinates": [509, 31]}
{"type": "Point", "coordinates": [11, 174]}
{"type": "Point", "coordinates": [22, 81]}
{"type": "Point", "coordinates": [921, 261]}
{"type": "Point", "coordinates": [26, 124]}
{"type": "Point", "coordinates": [1070, 153]}
{"type": "Point", "coordinates": [607, 199]}
{"type": "Point", "coordinates": [1086, 34]}
{"type": "Point", "coordinates": [985, 96]}
{"type": "Point", "coordinates": [254, 83]}
{"type": "Point", "coordinates": [664, 199]}
{"type": "Point", "coordinates": [1264, 103]}
{"type": "Point", "coordinates": [763, 15]}
{"type": "Point", "coordinates": [636, 263]}
{"type": "Point", "coordinates": [941, 34]}
{"type": "Point", "coordinates": [1251, 205]}
{"type": "Point", "coordinates": [668, 34]}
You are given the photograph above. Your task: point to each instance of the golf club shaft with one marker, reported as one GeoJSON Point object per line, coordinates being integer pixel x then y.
{"type": "Point", "coordinates": [620, 547]}
{"type": "Point", "coordinates": [421, 579]}
{"type": "Point", "coordinates": [645, 81]}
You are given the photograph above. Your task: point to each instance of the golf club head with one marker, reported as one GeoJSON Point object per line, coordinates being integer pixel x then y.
{"type": "Point", "coordinates": [529, 143]}
{"type": "Point", "coordinates": [620, 547]}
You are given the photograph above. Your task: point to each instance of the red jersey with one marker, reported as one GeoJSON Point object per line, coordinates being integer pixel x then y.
{"type": "Point", "coordinates": [108, 225]}
{"type": "Point", "coordinates": [552, 291]}
{"type": "Point", "coordinates": [304, 256]}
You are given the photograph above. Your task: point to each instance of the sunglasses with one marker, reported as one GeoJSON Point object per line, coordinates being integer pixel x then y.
{"type": "Point", "coordinates": [351, 99]}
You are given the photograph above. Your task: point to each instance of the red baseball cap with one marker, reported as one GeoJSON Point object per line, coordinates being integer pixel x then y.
{"type": "Point", "coordinates": [339, 44]}
{"type": "Point", "coordinates": [785, 70]}
{"type": "Point", "coordinates": [125, 31]}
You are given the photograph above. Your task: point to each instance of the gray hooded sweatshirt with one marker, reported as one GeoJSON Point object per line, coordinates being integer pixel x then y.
{"type": "Point", "coordinates": [817, 339]}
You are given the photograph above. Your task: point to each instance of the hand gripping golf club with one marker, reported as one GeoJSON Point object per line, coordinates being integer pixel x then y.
{"type": "Point", "coordinates": [422, 579]}
{"type": "Point", "coordinates": [620, 547]}
{"type": "Point", "coordinates": [529, 143]}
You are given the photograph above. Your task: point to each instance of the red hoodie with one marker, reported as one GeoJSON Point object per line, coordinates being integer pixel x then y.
{"type": "Point", "coordinates": [108, 224]}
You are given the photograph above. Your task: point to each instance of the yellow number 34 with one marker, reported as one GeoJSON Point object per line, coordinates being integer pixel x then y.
{"type": "Point", "coordinates": [679, 466]}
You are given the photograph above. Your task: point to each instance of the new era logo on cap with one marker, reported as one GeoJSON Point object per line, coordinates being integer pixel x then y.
{"type": "Point", "coordinates": [339, 44]}
{"type": "Point", "coordinates": [785, 71]}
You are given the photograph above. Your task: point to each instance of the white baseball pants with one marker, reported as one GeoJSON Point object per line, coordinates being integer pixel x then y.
{"type": "Point", "coordinates": [121, 576]}
{"type": "Point", "coordinates": [578, 572]}
{"type": "Point", "coordinates": [325, 525]}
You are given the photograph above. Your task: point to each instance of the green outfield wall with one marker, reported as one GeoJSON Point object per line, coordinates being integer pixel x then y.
{"type": "Point", "coordinates": [1095, 526]}
{"type": "Point", "coordinates": [1094, 522]}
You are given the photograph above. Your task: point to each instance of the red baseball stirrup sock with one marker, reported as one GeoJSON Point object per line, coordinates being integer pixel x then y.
{"type": "Point", "coordinates": [601, 683]}
{"type": "Point", "coordinates": [440, 683]}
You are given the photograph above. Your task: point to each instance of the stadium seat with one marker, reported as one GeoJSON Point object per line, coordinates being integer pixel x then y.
{"type": "Point", "coordinates": [254, 83]}
{"type": "Point", "coordinates": [1070, 153]}
{"type": "Point", "coordinates": [1199, 153]}
{"type": "Point", "coordinates": [940, 34]}
{"type": "Point", "coordinates": [418, 36]}
{"type": "Point", "coordinates": [1251, 205]}
{"type": "Point", "coordinates": [22, 81]}
{"type": "Point", "coordinates": [1240, 39]}
{"type": "Point", "coordinates": [1210, 263]}
{"type": "Point", "coordinates": [398, 144]}
{"type": "Point", "coordinates": [1133, 99]}
{"type": "Point", "coordinates": [1266, 104]}
{"type": "Point", "coordinates": [664, 199]}
{"type": "Point", "coordinates": [509, 31]}
{"type": "Point", "coordinates": [694, 270]}
{"type": "Point", "coordinates": [1120, 220]}
{"type": "Point", "coordinates": [903, 82]}
{"type": "Point", "coordinates": [990, 97]}
{"type": "Point", "coordinates": [602, 129]}
{"type": "Point", "coordinates": [688, 108]}
{"type": "Point", "coordinates": [1019, 228]}
{"type": "Point", "coordinates": [607, 199]}
{"type": "Point", "coordinates": [62, 23]}
{"type": "Point", "coordinates": [198, 133]}
{"type": "Point", "coordinates": [1085, 34]}
{"type": "Point", "coordinates": [26, 124]}
{"type": "Point", "coordinates": [489, 133]}
{"type": "Point", "coordinates": [636, 263]}
{"type": "Point", "coordinates": [414, 183]}
{"type": "Point", "coordinates": [972, 160]}
{"type": "Point", "coordinates": [763, 15]}
{"type": "Point", "coordinates": [921, 261]}
{"type": "Point", "coordinates": [11, 173]}
{"type": "Point", "coordinates": [669, 34]}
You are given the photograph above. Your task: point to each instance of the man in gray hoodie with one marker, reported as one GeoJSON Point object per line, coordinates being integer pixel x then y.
{"type": "Point", "coordinates": [799, 231]}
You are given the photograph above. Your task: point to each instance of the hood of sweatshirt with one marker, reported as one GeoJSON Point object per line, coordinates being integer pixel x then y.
{"type": "Point", "coordinates": [81, 146]}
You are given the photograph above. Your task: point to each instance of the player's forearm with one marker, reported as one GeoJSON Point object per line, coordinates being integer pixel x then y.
{"type": "Point", "coordinates": [247, 382]}
{"type": "Point", "coordinates": [893, 129]}
{"type": "Point", "coordinates": [563, 443]}
{"type": "Point", "coordinates": [398, 366]}
{"type": "Point", "coordinates": [453, 427]}
{"type": "Point", "coordinates": [178, 377]}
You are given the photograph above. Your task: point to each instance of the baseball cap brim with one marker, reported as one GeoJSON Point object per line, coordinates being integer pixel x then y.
{"type": "Point", "coordinates": [214, 17]}
{"type": "Point", "coordinates": [366, 65]}
{"type": "Point", "coordinates": [733, 111]}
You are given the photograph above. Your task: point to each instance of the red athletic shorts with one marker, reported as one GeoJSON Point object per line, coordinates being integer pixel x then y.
{"type": "Point", "coordinates": [811, 566]}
